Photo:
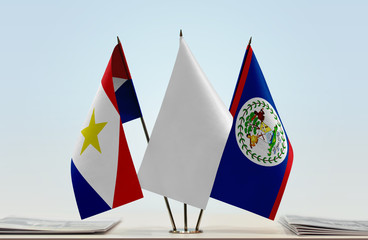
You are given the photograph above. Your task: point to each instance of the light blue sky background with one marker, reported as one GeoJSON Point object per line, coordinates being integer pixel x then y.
{"type": "Point", "coordinates": [313, 55]}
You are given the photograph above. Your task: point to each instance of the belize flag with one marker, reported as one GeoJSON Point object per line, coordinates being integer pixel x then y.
{"type": "Point", "coordinates": [102, 170]}
{"type": "Point", "coordinates": [257, 158]}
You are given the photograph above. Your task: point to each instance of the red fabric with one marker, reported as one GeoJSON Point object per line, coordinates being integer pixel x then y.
{"type": "Point", "coordinates": [127, 188]}
{"type": "Point", "coordinates": [122, 72]}
{"type": "Point", "coordinates": [117, 67]}
{"type": "Point", "coordinates": [243, 78]}
{"type": "Point", "coordinates": [108, 85]}
{"type": "Point", "coordinates": [283, 184]}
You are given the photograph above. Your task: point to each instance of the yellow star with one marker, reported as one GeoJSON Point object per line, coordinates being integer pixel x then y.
{"type": "Point", "coordinates": [90, 134]}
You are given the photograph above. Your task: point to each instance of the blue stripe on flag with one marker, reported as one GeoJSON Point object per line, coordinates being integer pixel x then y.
{"type": "Point", "coordinates": [128, 102]}
{"type": "Point", "coordinates": [88, 201]}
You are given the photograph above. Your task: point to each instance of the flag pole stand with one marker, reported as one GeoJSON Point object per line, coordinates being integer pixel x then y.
{"type": "Point", "coordinates": [182, 231]}
{"type": "Point", "coordinates": [186, 230]}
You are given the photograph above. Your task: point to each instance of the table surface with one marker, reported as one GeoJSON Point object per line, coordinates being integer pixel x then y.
{"type": "Point", "coordinates": [218, 226]}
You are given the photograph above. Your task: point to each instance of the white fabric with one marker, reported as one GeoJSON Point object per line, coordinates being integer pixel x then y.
{"type": "Point", "coordinates": [100, 169]}
{"type": "Point", "coordinates": [188, 138]}
{"type": "Point", "coordinates": [118, 82]}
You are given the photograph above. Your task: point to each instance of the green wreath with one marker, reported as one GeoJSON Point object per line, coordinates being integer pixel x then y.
{"type": "Point", "coordinates": [250, 126]}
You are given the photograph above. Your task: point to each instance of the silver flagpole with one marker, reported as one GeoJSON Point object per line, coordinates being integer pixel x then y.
{"type": "Point", "coordinates": [199, 220]}
{"type": "Point", "coordinates": [185, 218]}
{"type": "Point", "coordinates": [185, 205]}
{"type": "Point", "coordinates": [147, 138]}
{"type": "Point", "coordinates": [170, 214]}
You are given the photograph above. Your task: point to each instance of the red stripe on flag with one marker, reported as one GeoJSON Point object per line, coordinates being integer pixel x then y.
{"type": "Point", "coordinates": [127, 187]}
{"type": "Point", "coordinates": [107, 82]}
{"type": "Point", "coordinates": [117, 67]}
{"type": "Point", "coordinates": [283, 184]}
{"type": "Point", "coordinates": [241, 82]}
{"type": "Point", "coordinates": [125, 74]}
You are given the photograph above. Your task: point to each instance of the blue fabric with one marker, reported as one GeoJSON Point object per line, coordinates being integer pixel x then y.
{"type": "Point", "coordinates": [128, 102]}
{"type": "Point", "coordinates": [239, 181]}
{"type": "Point", "coordinates": [88, 201]}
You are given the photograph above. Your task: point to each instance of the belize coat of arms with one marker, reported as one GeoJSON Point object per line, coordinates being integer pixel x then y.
{"type": "Point", "coordinates": [260, 134]}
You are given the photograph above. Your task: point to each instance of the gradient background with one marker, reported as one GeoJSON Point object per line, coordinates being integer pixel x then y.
{"type": "Point", "coordinates": [313, 55]}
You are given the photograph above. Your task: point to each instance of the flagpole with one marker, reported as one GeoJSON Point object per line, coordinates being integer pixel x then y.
{"type": "Point", "coordinates": [199, 220]}
{"type": "Point", "coordinates": [145, 128]}
{"type": "Point", "coordinates": [170, 213]}
{"type": "Point", "coordinates": [185, 218]}
{"type": "Point", "coordinates": [147, 138]}
{"type": "Point", "coordinates": [185, 205]}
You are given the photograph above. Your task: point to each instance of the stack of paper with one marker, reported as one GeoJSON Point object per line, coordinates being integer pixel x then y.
{"type": "Point", "coordinates": [322, 226]}
{"type": "Point", "coordinates": [42, 226]}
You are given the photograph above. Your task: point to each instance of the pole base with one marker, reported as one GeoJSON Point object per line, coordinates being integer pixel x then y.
{"type": "Point", "coordinates": [182, 231]}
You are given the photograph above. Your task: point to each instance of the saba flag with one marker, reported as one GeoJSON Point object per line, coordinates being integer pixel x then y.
{"type": "Point", "coordinates": [102, 170]}
{"type": "Point", "coordinates": [257, 158]}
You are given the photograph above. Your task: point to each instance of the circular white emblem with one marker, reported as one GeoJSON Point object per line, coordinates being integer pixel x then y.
{"type": "Point", "coordinates": [259, 133]}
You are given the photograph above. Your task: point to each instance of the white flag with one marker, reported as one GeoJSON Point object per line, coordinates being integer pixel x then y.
{"type": "Point", "coordinates": [188, 138]}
